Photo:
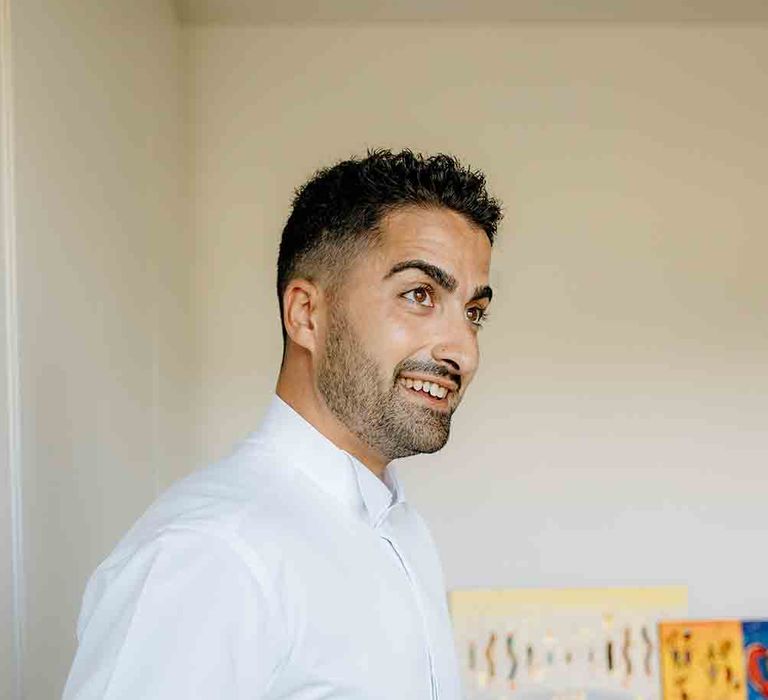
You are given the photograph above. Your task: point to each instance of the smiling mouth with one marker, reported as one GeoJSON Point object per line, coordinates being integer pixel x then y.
{"type": "Point", "coordinates": [426, 397]}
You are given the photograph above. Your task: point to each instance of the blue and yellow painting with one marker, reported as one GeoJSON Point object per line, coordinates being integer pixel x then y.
{"type": "Point", "coordinates": [756, 658]}
{"type": "Point", "coordinates": [714, 659]}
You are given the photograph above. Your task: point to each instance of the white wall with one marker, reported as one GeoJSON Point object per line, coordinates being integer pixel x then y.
{"type": "Point", "coordinates": [105, 320]}
{"type": "Point", "coordinates": [616, 433]}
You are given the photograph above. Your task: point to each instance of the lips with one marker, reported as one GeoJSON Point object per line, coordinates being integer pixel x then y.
{"type": "Point", "coordinates": [428, 387]}
{"type": "Point", "coordinates": [446, 384]}
{"type": "Point", "coordinates": [430, 400]}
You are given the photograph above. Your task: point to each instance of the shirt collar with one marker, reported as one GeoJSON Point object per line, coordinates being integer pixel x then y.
{"type": "Point", "coordinates": [334, 470]}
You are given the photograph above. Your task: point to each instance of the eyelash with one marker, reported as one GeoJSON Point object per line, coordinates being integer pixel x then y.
{"type": "Point", "coordinates": [426, 288]}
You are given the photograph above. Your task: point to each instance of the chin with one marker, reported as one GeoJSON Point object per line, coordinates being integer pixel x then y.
{"type": "Point", "coordinates": [432, 447]}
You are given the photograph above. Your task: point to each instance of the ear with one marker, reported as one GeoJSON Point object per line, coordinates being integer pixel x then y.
{"type": "Point", "coordinates": [301, 310]}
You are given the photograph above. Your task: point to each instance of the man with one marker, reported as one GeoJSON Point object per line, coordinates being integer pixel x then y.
{"type": "Point", "coordinates": [296, 568]}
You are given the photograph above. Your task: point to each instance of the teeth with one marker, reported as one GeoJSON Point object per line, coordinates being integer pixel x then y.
{"type": "Point", "coordinates": [427, 387]}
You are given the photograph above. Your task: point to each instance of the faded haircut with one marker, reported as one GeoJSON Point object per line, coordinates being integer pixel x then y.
{"type": "Point", "coordinates": [335, 216]}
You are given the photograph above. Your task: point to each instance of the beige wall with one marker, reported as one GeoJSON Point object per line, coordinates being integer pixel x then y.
{"type": "Point", "coordinates": [105, 318]}
{"type": "Point", "coordinates": [616, 433]}
{"type": "Point", "coordinates": [10, 620]}
{"type": "Point", "coordinates": [616, 430]}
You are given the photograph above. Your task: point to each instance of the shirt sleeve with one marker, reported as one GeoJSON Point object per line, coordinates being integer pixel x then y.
{"type": "Point", "coordinates": [185, 616]}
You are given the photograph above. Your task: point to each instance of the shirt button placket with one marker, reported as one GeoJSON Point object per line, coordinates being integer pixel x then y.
{"type": "Point", "coordinates": [384, 534]}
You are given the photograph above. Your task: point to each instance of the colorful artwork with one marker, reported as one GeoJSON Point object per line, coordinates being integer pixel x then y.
{"type": "Point", "coordinates": [714, 660]}
{"type": "Point", "coordinates": [580, 644]}
{"type": "Point", "coordinates": [702, 660]}
{"type": "Point", "coordinates": [756, 657]}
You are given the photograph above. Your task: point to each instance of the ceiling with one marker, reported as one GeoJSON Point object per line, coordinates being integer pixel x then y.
{"type": "Point", "coordinates": [300, 11]}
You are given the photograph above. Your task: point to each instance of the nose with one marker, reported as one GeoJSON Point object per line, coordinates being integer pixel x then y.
{"type": "Point", "coordinates": [456, 349]}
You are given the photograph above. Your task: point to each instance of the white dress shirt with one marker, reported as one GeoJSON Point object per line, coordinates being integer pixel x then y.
{"type": "Point", "coordinates": [288, 570]}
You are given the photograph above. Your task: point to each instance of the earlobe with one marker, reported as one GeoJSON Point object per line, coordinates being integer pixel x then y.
{"type": "Point", "coordinates": [300, 301]}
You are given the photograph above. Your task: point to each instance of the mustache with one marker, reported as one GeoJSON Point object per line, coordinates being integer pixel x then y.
{"type": "Point", "coordinates": [429, 368]}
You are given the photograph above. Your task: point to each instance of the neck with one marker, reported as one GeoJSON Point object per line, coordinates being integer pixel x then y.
{"type": "Point", "coordinates": [303, 398]}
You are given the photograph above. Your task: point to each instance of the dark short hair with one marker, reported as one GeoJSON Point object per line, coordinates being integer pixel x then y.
{"type": "Point", "coordinates": [336, 214]}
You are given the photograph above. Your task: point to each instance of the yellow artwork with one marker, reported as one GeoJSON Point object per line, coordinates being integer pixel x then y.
{"type": "Point", "coordinates": [562, 644]}
{"type": "Point", "coordinates": [703, 660]}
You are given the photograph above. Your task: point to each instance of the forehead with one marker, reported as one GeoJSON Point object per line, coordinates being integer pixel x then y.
{"type": "Point", "coordinates": [437, 235]}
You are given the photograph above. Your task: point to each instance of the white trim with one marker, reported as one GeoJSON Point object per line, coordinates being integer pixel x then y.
{"type": "Point", "coordinates": [11, 331]}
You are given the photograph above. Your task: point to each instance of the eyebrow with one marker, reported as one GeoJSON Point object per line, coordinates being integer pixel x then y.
{"type": "Point", "coordinates": [445, 279]}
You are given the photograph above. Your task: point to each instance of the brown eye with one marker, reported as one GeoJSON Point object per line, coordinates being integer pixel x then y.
{"type": "Point", "coordinates": [481, 316]}
{"type": "Point", "coordinates": [421, 294]}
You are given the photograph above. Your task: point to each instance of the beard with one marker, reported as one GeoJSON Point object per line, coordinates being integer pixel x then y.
{"type": "Point", "coordinates": [372, 407]}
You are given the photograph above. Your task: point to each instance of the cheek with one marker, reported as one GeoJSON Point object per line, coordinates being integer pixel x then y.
{"type": "Point", "coordinates": [398, 334]}
{"type": "Point", "coordinates": [391, 336]}
{"type": "Point", "coordinates": [399, 330]}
